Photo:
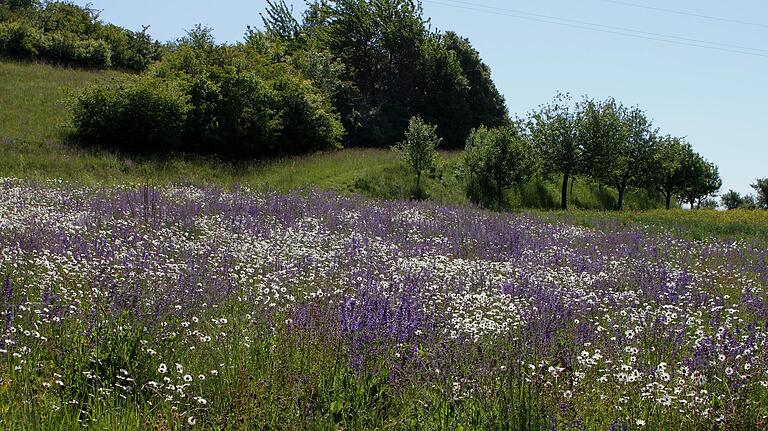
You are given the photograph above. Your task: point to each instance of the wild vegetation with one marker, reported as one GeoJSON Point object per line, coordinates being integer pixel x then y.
{"type": "Point", "coordinates": [64, 33]}
{"type": "Point", "coordinates": [145, 308]}
{"type": "Point", "coordinates": [185, 245]}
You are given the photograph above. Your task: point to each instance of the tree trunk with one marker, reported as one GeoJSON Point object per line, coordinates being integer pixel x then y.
{"type": "Point", "coordinates": [418, 182]}
{"type": "Point", "coordinates": [668, 197]}
{"type": "Point", "coordinates": [620, 205]}
{"type": "Point", "coordinates": [498, 197]}
{"type": "Point", "coordinates": [564, 194]}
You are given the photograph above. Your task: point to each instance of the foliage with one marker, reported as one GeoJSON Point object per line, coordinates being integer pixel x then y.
{"type": "Point", "coordinates": [419, 148]}
{"type": "Point", "coordinates": [554, 130]}
{"type": "Point", "coordinates": [625, 141]}
{"type": "Point", "coordinates": [731, 200]}
{"type": "Point", "coordinates": [665, 172]}
{"type": "Point", "coordinates": [392, 66]}
{"type": "Point", "coordinates": [21, 39]}
{"type": "Point", "coordinates": [244, 105]}
{"type": "Point", "coordinates": [495, 160]}
{"type": "Point", "coordinates": [734, 200]}
{"type": "Point", "coordinates": [761, 187]}
{"type": "Point", "coordinates": [64, 32]}
{"type": "Point", "coordinates": [243, 114]}
{"type": "Point", "coordinates": [68, 48]}
{"type": "Point", "coordinates": [701, 179]}
{"type": "Point", "coordinates": [147, 116]}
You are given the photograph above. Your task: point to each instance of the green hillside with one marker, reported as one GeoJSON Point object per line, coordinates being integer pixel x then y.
{"type": "Point", "coordinates": [34, 123]}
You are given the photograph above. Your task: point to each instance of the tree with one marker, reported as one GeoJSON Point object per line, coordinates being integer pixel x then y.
{"type": "Point", "coordinates": [15, 5]}
{"type": "Point", "coordinates": [731, 200]}
{"type": "Point", "coordinates": [761, 187]}
{"type": "Point", "coordinates": [554, 131]}
{"type": "Point", "coordinates": [400, 68]}
{"type": "Point", "coordinates": [469, 98]}
{"type": "Point", "coordinates": [701, 179]}
{"type": "Point", "coordinates": [419, 148]}
{"type": "Point", "coordinates": [498, 159]}
{"type": "Point", "coordinates": [617, 144]}
{"type": "Point", "coordinates": [280, 22]}
{"type": "Point", "coordinates": [748, 202]}
{"type": "Point", "coordinates": [665, 172]}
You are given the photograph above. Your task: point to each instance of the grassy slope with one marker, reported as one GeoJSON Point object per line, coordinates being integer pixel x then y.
{"type": "Point", "coordinates": [33, 117]}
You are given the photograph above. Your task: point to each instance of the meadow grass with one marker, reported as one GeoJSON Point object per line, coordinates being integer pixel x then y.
{"type": "Point", "coordinates": [298, 317]}
{"type": "Point", "coordinates": [193, 308]}
{"type": "Point", "coordinates": [35, 122]}
{"type": "Point", "coordinates": [34, 97]}
{"type": "Point", "coordinates": [743, 225]}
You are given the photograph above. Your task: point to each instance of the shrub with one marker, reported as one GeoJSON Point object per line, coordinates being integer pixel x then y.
{"type": "Point", "coordinates": [67, 33]}
{"type": "Point", "coordinates": [21, 39]}
{"type": "Point", "coordinates": [308, 120]}
{"type": "Point", "coordinates": [495, 160]}
{"type": "Point", "coordinates": [419, 149]}
{"type": "Point", "coordinates": [130, 50]}
{"type": "Point", "coordinates": [69, 48]}
{"type": "Point", "coordinates": [242, 114]}
{"type": "Point", "coordinates": [147, 116]}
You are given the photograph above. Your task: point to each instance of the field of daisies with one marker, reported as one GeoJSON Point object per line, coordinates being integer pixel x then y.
{"type": "Point", "coordinates": [187, 308]}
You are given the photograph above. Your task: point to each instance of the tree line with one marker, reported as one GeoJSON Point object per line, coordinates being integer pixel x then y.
{"type": "Point", "coordinates": [604, 141]}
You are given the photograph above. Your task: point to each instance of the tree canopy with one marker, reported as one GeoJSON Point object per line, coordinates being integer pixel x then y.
{"type": "Point", "coordinates": [394, 67]}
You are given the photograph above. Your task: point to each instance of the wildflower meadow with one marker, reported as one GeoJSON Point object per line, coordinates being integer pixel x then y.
{"type": "Point", "coordinates": [203, 308]}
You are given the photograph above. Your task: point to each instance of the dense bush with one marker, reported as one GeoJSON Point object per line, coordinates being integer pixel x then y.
{"type": "Point", "coordinates": [21, 39]}
{"type": "Point", "coordinates": [69, 48]}
{"type": "Point", "coordinates": [223, 100]}
{"type": "Point", "coordinates": [66, 33]}
{"type": "Point", "coordinates": [243, 114]}
{"type": "Point", "coordinates": [496, 160]}
{"type": "Point", "coordinates": [148, 115]}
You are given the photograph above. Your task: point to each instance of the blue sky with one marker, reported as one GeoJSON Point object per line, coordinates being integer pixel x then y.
{"type": "Point", "coordinates": [717, 99]}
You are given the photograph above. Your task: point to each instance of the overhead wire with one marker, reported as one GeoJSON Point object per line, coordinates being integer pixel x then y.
{"type": "Point", "coordinates": [602, 28]}
{"type": "Point", "coordinates": [679, 12]}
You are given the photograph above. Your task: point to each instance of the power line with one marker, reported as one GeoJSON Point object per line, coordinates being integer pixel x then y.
{"type": "Point", "coordinates": [679, 12]}
{"type": "Point", "coordinates": [611, 27]}
{"type": "Point", "coordinates": [582, 25]}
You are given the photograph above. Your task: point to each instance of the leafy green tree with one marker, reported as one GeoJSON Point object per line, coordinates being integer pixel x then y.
{"type": "Point", "coordinates": [554, 130]}
{"type": "Point", "coordinates": [280, 22]}
{"type": "Point", "coordinates": [498, 159]}
{"type": "Point", "coordinates": [761, 187]}
{"type": "Point", "coordinates": [732, 200]}
{"type": "Point", "coordinates": [701, 179]}
{"type": "Point", "coordinates": [665, 173]}
{"type": "Point", "coordinates": [419, 148]}
{"type": "Point", "coordinates": [708, 203]}
{"type": "Point", "coordinates": [463, 95]}
{"type": "Point", "coordinates": [395, 67]}
{"type": "Point", "coordinates": [19, 5]}
{"type": "Point", "coordinates": [749, 202]}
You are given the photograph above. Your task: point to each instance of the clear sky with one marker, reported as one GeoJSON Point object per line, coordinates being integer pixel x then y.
{"type": "Point", "coordinates": [715, 98]}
